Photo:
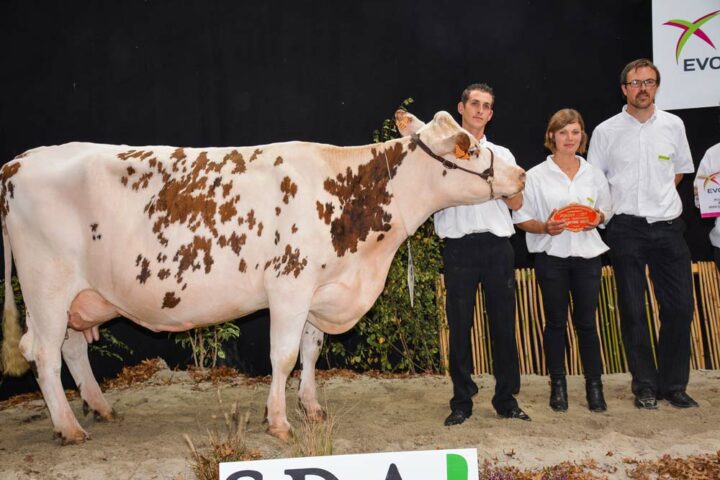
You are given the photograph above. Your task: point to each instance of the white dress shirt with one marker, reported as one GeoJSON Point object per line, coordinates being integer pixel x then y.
{"type": "Point", "coordinates": [547, 188]}
{"type": "Point", "coordinates": [492, 216]}
{"type": "Point", "coordinates": [710, 164]}
{"type": "Point", "coordinates": [640, 161]}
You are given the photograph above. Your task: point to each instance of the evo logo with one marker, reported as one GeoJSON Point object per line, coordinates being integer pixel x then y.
{"type": "Point", "coordinates": [693, 30]}
{"type": "Point", "coordinates": [424, 465]}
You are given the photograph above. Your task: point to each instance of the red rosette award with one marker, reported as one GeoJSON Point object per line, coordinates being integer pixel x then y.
{"type": "Point", "coordinates": [576, 217]}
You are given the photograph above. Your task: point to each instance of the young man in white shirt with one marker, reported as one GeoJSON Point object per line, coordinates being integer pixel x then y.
{"type": "Point", "coordinates": [644, 153]}
{"type": "Point", "coordinates": [477, 250]}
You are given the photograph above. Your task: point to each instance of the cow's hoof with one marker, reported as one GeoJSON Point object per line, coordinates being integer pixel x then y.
{"type": "Point", "coordinates": [110, 416]}
{"type": "Point", "coordinates": [73, 438]}
{"type": "Point", "coordinates": [317, 416]}
{"type": "Point", "coordinates": [280, 433]}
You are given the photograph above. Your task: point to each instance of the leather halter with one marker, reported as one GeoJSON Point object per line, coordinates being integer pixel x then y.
{"type": "Point", "coordinates": [487, 175]}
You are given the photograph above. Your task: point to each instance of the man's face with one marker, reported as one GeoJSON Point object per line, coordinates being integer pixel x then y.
{"type": "Point", "coordinates": [477, 111]}
{"type": "Point", "coordinates": [642, 96]}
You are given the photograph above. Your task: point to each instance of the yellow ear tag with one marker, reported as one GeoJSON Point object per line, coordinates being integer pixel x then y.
{"type": "Point", "coordinates": [460, 153]}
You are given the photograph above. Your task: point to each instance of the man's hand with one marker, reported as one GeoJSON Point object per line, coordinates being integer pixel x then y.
{"type": "Point", "coordinates": [515, 202]}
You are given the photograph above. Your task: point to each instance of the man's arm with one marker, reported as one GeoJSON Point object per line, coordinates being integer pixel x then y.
{"type": "Point", "coordinates": [678, 178]}
{"type": "Point", "coordinates": [515, 202]}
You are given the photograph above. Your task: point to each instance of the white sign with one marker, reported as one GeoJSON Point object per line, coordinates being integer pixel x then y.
{"type": "Point", "coordinates": [686, 38]}
{"type": "Point", "coordinates": [708, 189]}
{"type": "Point", "coordinates": [423, 465]}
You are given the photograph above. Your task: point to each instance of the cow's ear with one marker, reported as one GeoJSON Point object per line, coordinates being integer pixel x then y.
{"type": "Point", "coordinates": [462, 146]}
{"type": "Point", "coordinates": [407, 123]}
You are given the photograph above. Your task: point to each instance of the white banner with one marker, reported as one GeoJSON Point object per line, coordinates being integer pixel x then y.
{"type": "Point", "coordinates": [422, 465]}
{"type": "Point", "coordinates": [686, 38]}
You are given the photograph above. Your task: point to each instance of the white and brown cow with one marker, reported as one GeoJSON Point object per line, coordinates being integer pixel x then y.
{"type": "Point", "coordinates": [176, 238]}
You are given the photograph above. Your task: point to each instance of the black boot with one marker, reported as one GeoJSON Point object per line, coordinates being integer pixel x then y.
{"type": "Point", "coordinates": [594, 395]}
{"type": "Point", "coordinates": [558, 394]}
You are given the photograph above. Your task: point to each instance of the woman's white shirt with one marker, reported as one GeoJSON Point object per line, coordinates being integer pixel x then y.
{"type": "Point", "coordinates": [548, 188]}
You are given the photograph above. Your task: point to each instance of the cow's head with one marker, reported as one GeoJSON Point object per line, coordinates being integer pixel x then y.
{"type": "Point", "coordinates": [446, 139]}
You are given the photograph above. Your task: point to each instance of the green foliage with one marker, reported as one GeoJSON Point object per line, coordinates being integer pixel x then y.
{"type": "Point", "coordinates": [108, 345]}
{"type": "Point", "coordinates": [393, 336]}
{"type": "Point", "coordinates": [206, 343]}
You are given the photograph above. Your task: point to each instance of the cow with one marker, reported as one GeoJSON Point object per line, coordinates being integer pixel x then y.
{"type": "Point", "coordinates": [176, 238]}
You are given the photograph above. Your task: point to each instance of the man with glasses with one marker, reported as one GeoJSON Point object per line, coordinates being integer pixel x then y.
{"type": "Point", "coordinates": [644, 153]}
{"type": "Point", "coordinates": [476, 250]}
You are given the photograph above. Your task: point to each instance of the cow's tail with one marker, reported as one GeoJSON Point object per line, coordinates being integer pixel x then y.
{"type": "Point", "coordinates": [12, 362]}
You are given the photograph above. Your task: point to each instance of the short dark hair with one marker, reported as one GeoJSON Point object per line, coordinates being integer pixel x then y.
{"type": "Point", "coordinates": [634, 65]}
{"type": "Point", "coordinates": [483, 87]}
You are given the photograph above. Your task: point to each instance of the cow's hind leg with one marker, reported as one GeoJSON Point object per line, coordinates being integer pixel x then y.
{"type": "Point", "coordinates": [75, 353]}
{"type": "Point", "coordinates": [311, 344]}
{"type": "Point", "coordinates": [286, 325]}
{"type": "Point", "coordinates": [46, 348]}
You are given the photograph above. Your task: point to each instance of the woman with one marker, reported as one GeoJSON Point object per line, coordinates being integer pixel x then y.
{"type": "Point", "coordinates": [567, 262]}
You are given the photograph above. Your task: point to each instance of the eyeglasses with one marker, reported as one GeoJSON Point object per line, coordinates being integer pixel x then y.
{"type": "Point", "coordinates": [649, 83]}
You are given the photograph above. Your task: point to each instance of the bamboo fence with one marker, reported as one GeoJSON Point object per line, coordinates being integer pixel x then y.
{"type": "Point", "coordinates": [530, 320]}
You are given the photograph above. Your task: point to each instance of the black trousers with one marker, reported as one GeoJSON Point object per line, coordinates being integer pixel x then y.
{"type": "Point", "coordinates": [716, 251]}
{"type": "Point", "coordinates": [487, 259]}
{"type": "Point", "coordinates": [558, 278]}
{"type": "Point", "coordinates": [635, 243]}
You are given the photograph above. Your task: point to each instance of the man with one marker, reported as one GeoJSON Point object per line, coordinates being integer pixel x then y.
{"type": "Point", "coordinates": [477, 250]}
{"type": "Point", "coordinates": [644, 153]}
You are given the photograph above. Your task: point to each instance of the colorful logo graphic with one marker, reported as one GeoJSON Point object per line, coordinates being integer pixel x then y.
{"type": "Point", "coordinates": [713, 178]}
{"type": "Point", "coordinates": [691, 29]}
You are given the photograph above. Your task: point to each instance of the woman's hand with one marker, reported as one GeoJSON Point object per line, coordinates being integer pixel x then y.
{"type": "Point", "coordinates": [599, 218]}
{"type": "Point", "coordinates": [554, 227]}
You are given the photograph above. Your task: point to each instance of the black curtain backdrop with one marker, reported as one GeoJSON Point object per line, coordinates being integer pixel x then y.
{"type": "Point", "coordinates": [221, 73]}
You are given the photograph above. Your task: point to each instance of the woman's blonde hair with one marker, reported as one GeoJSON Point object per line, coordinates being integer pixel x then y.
{"type": "Point", "coordinates": [559, 120]}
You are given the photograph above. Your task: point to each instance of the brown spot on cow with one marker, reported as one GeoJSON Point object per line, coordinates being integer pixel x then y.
{"type": "Point", "coordinates": [381, 237]}
{"type": "Point", "coordinates": [260, 229]}
{"type": "Point", "coordinates": [144, 271]}
{"type": "Point", "coordinates": [186, 256]}
{"type": "Point", "coordinates": [251, 219]}
{"type": "Point", "coordinates": [124, 181]}
{"type": "Point", "coordinates": [325, 211]}
{"type": "Point", "coordinates": [278, 161]}
{"type": "Point", "coordinates": [7, 189]}
{"type": "Point", "coordinates": [163, 273]}
{"type": "Point", "coordinates": [227, 211]}
{"type": "Point", "coordinates": [292, 262]}
{"type": "Point", "coordinates": [277, 237]}
{"type": "Point", "coordinates": [255, 155]}
{"type": "Point", "coordinates": [362, 197]}
{"type": "Point", "coordinates": [237, 159]}
{"type": "Point", "coordinates": [277, 211]}
{"type": "Point", "coordinates": [289, 188]}
{"type": "Point", "coordinates": [161, 257]}
{"type": "Point", "coordinates": [130, 171]}
{"type": "Point", "coordinates": [139, 154]}
{"type": "Point", "coordinates": [93, 227]}
{"type": "Point", "coordinates": [294, 228]}
{"type": "Point", "coordinates": [170, 300]}
{"type": "Point", "coordinates": [242, 266]}
{"type": "Point", "coordinates": [143, 181]}
{"type": "Point", "coordinates": [323, 265]}
{"type": "Point", "coordinates": [227, 187]}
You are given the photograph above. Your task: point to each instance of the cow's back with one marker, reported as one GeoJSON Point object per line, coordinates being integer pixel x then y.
{"type": "Point", "coordinates": [170, 234]}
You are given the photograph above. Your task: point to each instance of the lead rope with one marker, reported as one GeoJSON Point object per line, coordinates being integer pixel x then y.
{"type": "Point", "coordinates": [411, 265]}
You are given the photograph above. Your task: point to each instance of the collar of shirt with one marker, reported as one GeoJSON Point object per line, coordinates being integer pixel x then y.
{"type": "Point", "coordinates": [635, 121]}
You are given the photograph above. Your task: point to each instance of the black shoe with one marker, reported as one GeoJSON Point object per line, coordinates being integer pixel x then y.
{"type": "Point", "coordinates": [680, 399]}
{"type": "Point", "coordinates": [645, 399]}
{"type": "Point", "coordinates": [558, 394]}
{"type": "Point", "coordinates": [594, 396]}
{"type": "Point", "coordinates": [456, 418]}
{"type": "Point", "coordinates": [515, 412]}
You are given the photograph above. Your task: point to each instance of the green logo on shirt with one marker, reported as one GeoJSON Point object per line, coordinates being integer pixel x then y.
{"type": "Point", "coordinates": [663, 157]}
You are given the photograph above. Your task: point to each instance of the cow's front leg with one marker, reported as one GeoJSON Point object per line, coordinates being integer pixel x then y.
{"type": "Point", "coordinates": [285, 333]}
{"type": "Point", "coordinates": [312, 340]}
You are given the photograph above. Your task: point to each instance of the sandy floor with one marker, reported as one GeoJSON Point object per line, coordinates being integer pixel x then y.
{"type": "Point", "coordinates": [372, 415]}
